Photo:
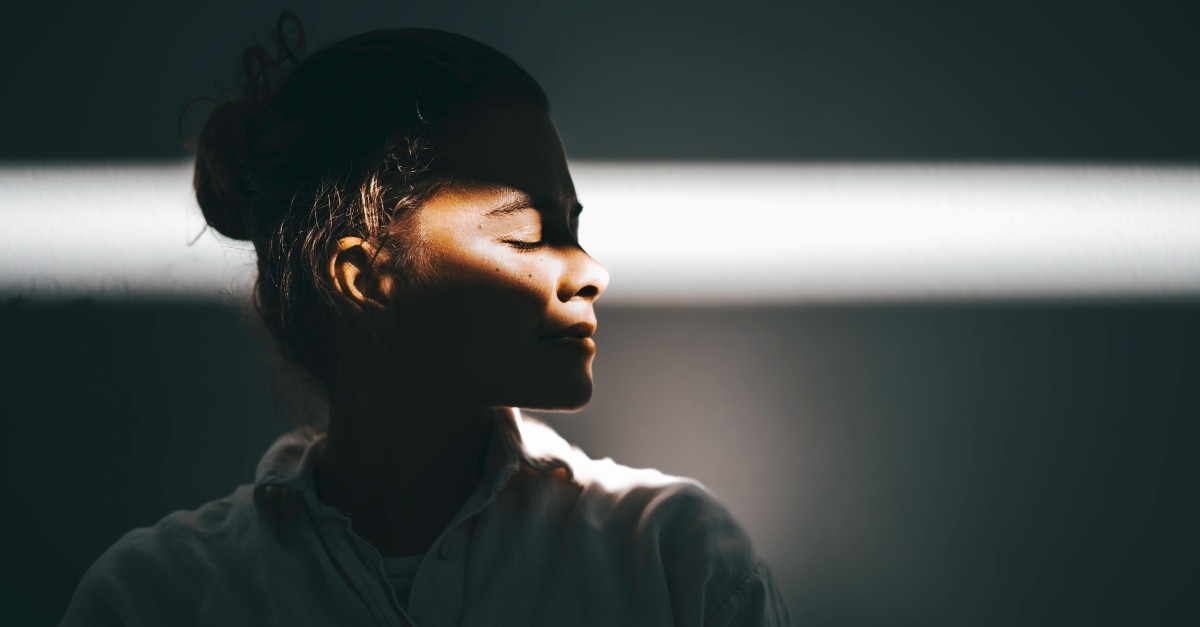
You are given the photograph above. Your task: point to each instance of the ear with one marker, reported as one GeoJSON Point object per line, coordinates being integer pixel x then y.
{"type": "Point", "coordinates": [352, 268]}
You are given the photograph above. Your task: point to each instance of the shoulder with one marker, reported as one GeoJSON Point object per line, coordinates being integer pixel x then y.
{"type": "Point", "coordinates": [152, 572]}
{"type": "Point", "coordinates": [670, 508]}
{"type": "Point", "coordinates": [188, 535]}
{"type": "Point", "coordinates": [705, 552]}
{"type": "Point", "coordinates": [184, 536]}
{"type": "Point", "coordinates": [670, 524]}
{"type": "Point", "coordinates": [713, 574]}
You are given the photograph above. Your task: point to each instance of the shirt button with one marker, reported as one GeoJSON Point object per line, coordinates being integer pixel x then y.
{"type": "Point", "coordinates": [447, 551]}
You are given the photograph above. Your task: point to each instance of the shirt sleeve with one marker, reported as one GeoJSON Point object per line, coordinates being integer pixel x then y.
{"type": "Point", "coordinates": [103, 597]}
{"type": "Point", "coordinates": [130, 585]}
{"type": "Point", "coordinates": [756, 601]}
{"type": "Point", "coordinates": [714, 576]}
{"type": "Point", "coordinates": [96, 602]}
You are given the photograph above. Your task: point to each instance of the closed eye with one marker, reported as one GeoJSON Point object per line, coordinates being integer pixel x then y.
{"type": "Point", "coordinates": [523, 245]}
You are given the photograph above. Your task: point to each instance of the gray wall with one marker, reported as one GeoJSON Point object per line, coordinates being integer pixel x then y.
{"type": "Point", "coordinates": [678, 79]}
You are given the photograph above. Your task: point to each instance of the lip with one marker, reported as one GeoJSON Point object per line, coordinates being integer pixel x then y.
{"type": "Point", "coordinates": [585, 344]}
{"type": "Point", "coordinates": [576, 336]}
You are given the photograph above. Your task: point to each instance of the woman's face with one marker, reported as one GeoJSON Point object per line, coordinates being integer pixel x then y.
{"type": "Point", "coordinates": [503, 310]}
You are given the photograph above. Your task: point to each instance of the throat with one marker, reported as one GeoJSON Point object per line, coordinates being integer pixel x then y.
{"type": "Point", "coordinates": [395, 522]}
{"type": "Point", "coordinates": [400, 490]}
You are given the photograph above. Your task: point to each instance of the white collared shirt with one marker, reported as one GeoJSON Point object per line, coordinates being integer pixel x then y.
{"type": "Point", "coordinates": [550, 537]}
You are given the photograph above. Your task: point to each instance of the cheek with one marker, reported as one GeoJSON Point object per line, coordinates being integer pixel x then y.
{"type": "Point", "coordinates": [477, 321]}
{"type": "Point", "coordinates": [500, 292]}
{"type": "Point", "coordinates": [483, 262]}
{"type": "Point", "coordinates": [488, 314]}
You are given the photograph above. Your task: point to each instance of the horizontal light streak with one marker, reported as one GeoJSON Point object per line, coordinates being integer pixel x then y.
{"type": "Point", "coordinates": [707, 233]}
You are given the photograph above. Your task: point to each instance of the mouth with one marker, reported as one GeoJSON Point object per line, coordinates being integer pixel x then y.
{"type": "Point", "coordinates": [577, 336]}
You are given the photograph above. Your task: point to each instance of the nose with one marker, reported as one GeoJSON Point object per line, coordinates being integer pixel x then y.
{"type": "Point", "coordinates": [583, 277]}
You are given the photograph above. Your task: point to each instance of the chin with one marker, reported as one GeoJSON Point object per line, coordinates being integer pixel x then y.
{"type": "Point", "coordinates": [564, 398]}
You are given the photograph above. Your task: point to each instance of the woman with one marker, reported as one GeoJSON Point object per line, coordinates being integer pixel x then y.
{"type": "Point", "coordinates": [415, 224]}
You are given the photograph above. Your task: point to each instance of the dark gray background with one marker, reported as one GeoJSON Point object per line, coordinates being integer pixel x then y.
{"type": "Point", "coordinates": [975, 463]}
{"type": "Point", "coordinates": [694, 79]}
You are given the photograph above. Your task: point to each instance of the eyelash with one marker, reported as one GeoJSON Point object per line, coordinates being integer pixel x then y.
{"type": "Point", "coordinates": [523, 245]}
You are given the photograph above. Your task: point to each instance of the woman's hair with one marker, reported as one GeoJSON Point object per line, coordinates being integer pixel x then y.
{"type": "Point", "coordinates": [307, 151]}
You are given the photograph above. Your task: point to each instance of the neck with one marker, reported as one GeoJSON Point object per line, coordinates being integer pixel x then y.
{"type": "Point", "coordinates": [401, 459]}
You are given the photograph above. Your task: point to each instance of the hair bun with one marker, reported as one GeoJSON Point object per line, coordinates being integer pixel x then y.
{"type": "Point", "coordinates": [222, 147]}
{"type": "Point", "coordinates": [221, 150]}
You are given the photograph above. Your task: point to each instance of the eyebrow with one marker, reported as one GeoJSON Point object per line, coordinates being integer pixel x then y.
{"type": "Point", "coordinates": [524, 202]}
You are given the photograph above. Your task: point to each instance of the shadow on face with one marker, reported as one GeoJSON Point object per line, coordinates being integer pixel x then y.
{"type": "Point", "coordinates": [504, 304]}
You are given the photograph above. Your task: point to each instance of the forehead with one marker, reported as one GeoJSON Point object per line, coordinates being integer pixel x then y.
{"type": "Point", "coordinates": [516, 148]}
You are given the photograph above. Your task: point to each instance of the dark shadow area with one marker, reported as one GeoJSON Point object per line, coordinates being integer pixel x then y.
{"type": "Point", "coordinates": [114, 415]}
{"type": "Point", "coordinates": [848, 80]}
{"type": "Point", "coordinates": [904, 464]}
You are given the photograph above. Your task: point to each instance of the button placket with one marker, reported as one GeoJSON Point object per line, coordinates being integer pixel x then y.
{"type": "Point", "coordinates": [448, 577]}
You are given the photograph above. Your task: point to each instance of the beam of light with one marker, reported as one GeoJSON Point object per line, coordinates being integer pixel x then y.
{"type": "Point", "coordinates": [708, 233]}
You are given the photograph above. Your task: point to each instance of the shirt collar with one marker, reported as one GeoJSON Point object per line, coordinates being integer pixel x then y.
{"type": "Point", "coordinates": [515, 441]}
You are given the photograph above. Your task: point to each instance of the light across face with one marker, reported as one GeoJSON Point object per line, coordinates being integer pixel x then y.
{"type": "Point", "coordinates": [504, 308]}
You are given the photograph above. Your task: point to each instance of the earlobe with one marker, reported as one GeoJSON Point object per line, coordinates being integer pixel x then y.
{"type": "Point", "coordinates": [351, 268]}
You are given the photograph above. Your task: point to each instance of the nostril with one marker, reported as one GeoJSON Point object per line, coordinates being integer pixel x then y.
{"type": "Point", "coordinates": [588, 291]}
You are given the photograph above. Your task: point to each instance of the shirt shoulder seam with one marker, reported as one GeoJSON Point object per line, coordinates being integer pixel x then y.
{"type": "Point", "coordinates": [753, 574]}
